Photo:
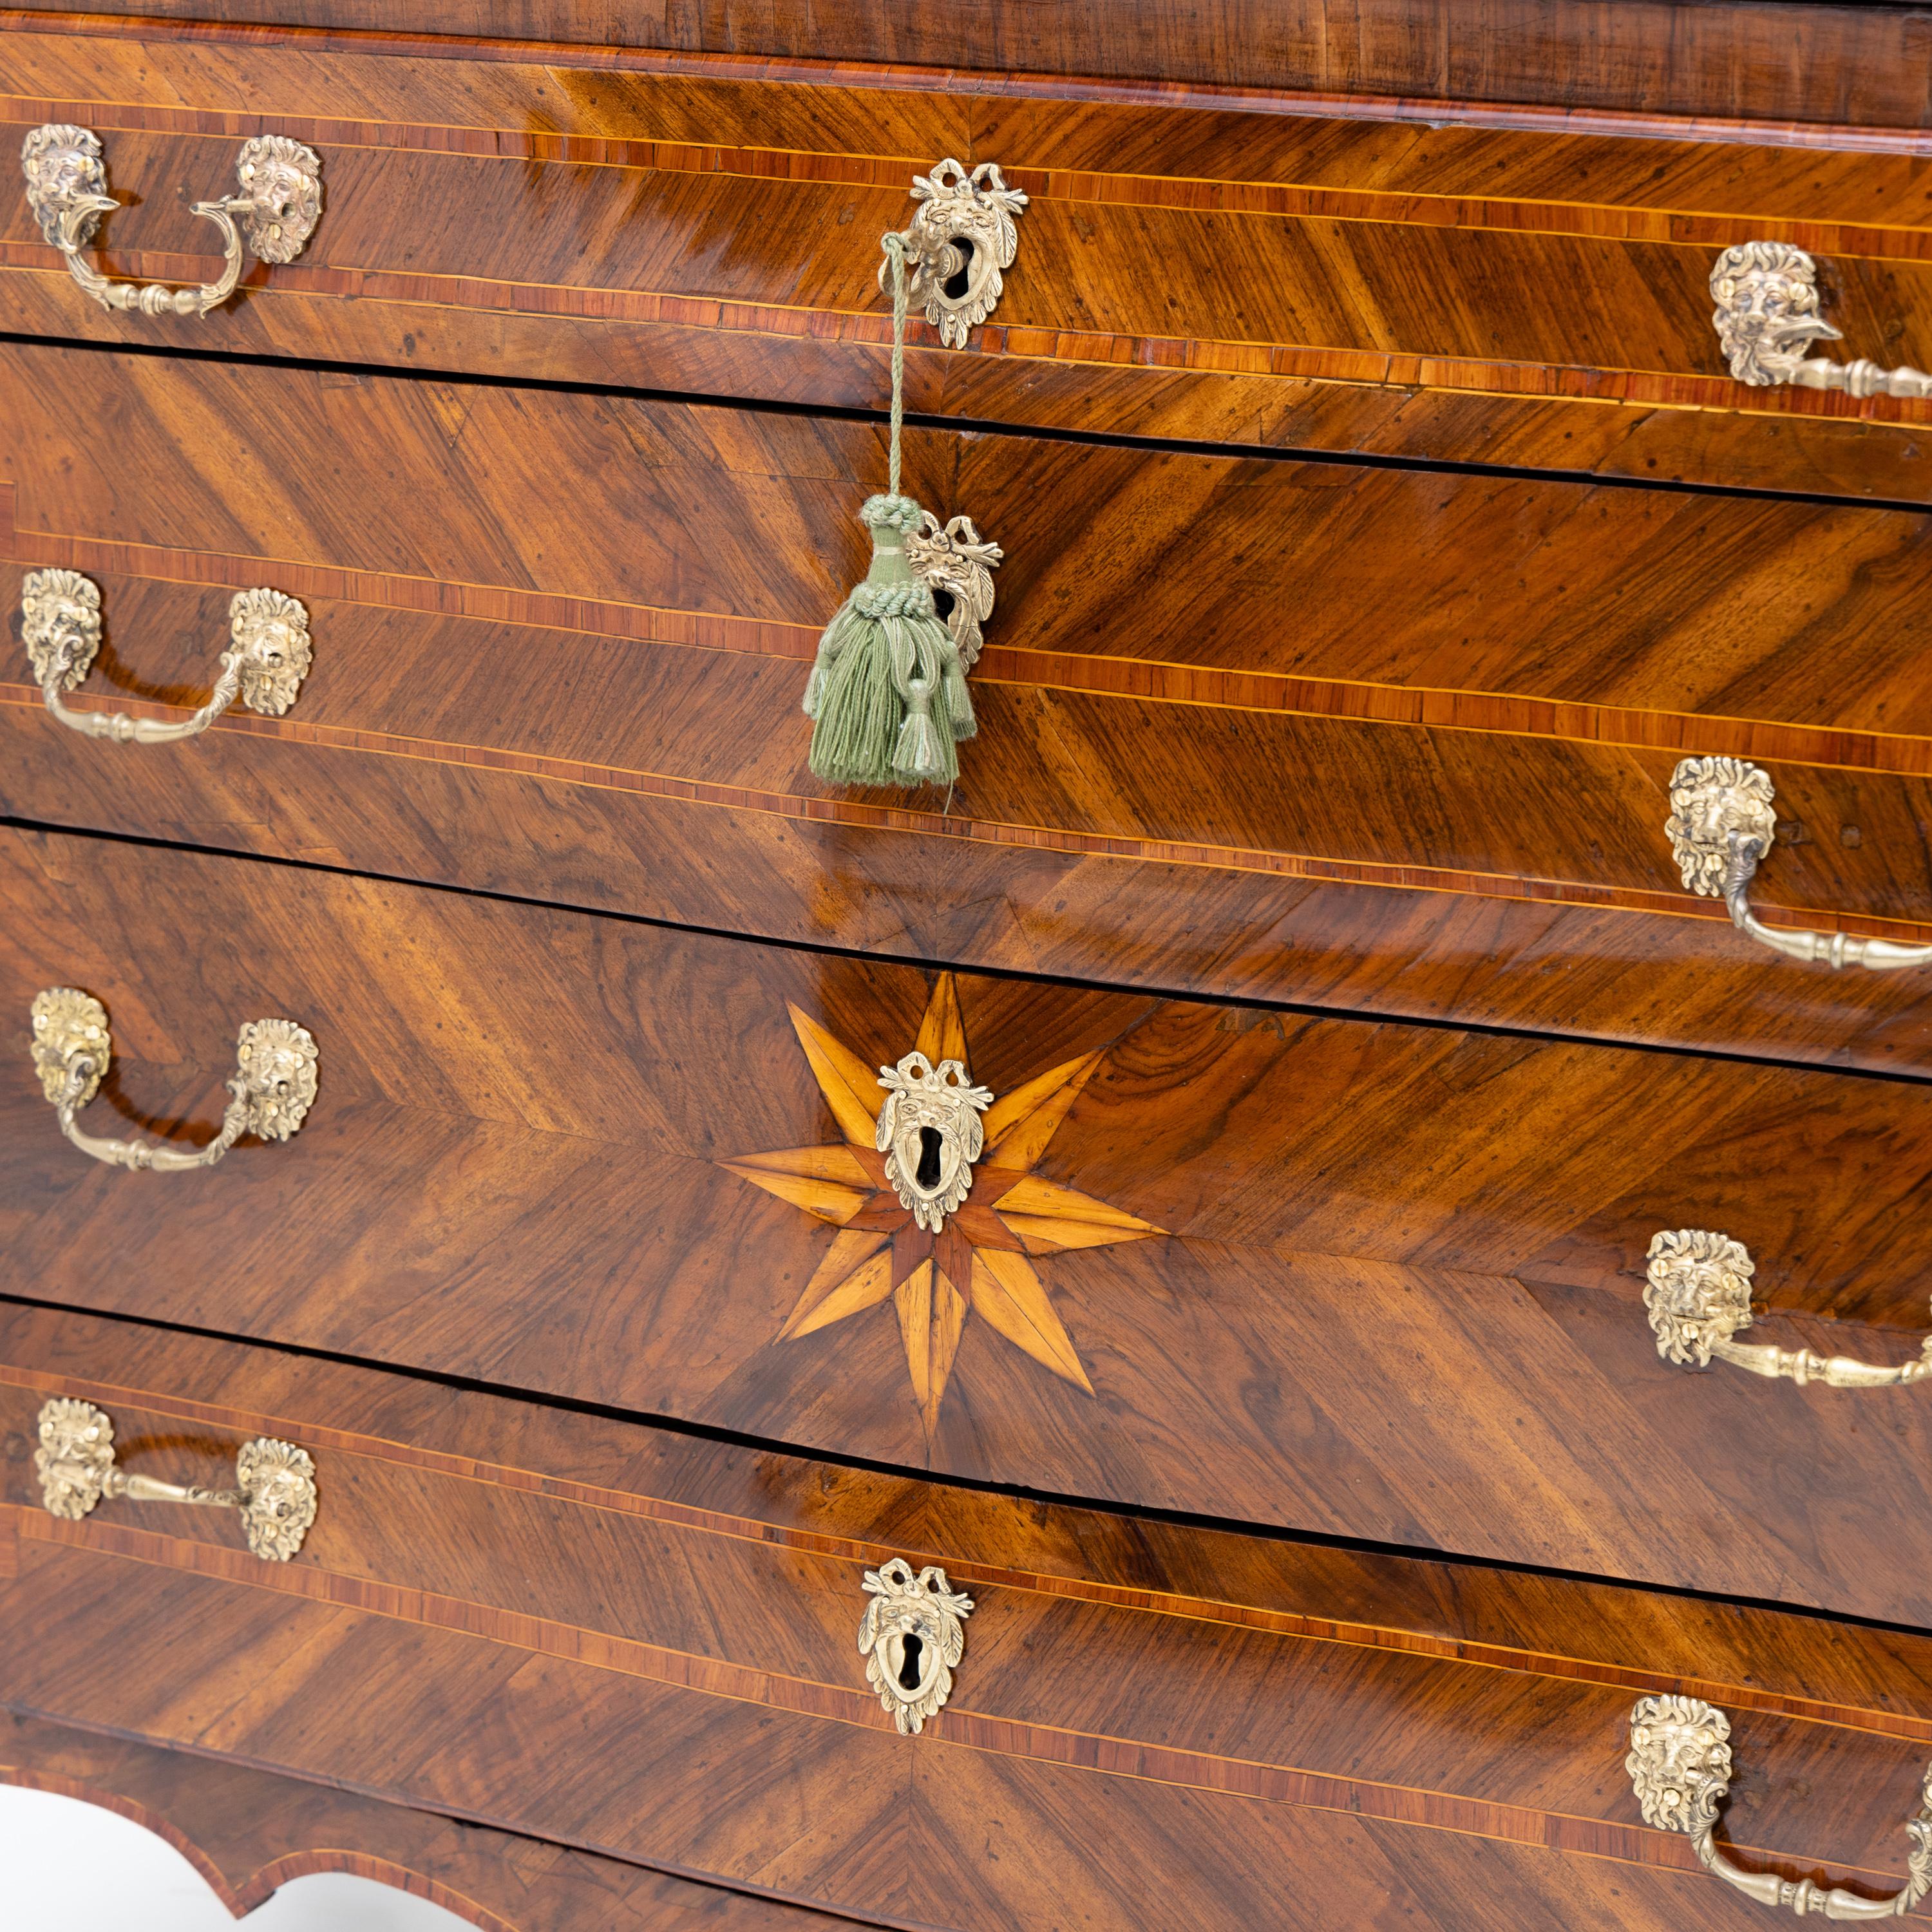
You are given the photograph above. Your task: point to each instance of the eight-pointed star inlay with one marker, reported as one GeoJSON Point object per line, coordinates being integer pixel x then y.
{"type": "Point", "coordinates": [979, 1261]}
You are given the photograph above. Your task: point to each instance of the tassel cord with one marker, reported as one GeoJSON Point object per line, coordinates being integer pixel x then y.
{"type": "Point", "coordinates": [894, 245]}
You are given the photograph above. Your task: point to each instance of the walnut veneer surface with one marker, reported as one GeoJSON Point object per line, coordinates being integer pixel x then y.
{"type": "Point", "coordinates": [672, 1643]}
{"type": "Point", "coordinates": [1382, 526]}
{"type": "Point", "coordinates": [1221, 265]}
{"type": "Point", "coordinates": [1370, 1279]}
{"type": "Point", "coordinates": [1236, 737]}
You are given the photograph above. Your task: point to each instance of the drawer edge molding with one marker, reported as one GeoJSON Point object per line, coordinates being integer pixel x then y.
{"type": "Point", "coordinates": [184, 1553]}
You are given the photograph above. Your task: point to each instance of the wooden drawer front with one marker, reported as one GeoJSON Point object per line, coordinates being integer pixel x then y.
{"type": "Point", "coordinates": [560, 642]}
{"type": "Point", "coordinates": [1201, 271]}
{"type": "Point", "coordinates": [1374, 1280]}
{"type": "Point", "coordinates": [667, 1627]}
{"type": "Point", "coordinates": [249, 1831]}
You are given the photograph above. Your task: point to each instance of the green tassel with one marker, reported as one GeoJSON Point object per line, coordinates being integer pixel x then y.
{"type": "Point", "coordinates": [881, 694]}
{"type": "Point", "coordinates": [887, 693]}
{"type": "Point", "coordinates": [925, 755]}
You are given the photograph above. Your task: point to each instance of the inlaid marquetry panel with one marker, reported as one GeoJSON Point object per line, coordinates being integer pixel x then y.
{"type": "Point", "coordinates": [491, 1584]}
{"type": "Point", "coordinates": [1372, 1279]}
{"type": "Point", "coordinates": [561, 640]}
{"type": "Point", "coordinates": [1201, 265]}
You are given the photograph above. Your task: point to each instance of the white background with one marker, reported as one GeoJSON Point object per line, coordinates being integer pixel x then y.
{"type": "Point", "coordinates": [70, 1867]}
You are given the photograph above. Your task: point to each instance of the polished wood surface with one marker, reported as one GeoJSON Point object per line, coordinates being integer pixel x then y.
{"type": "Point", "coordinates": [1373, 1280]}
{"type": "Point", "coordinates": [1141, 696]}
{"type": "Point", "coordinates": [1808, 65]}
{"type": "Point", "coordinates": [1211, 271]}
{"type": "Point", "coordinates": [916, 887]}
{"type": "Point", "coordinates": [498, 1570]}
{"type": "Point", "coordinates": [248, 1832]}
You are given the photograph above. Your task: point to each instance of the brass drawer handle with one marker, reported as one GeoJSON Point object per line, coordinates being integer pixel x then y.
{"type": "Point", "coordinates": [1720, 826]}
{"type": "Point", "coordinates": [1767, 317]}
{"type": "Point", "coordinates": [280, 202]}
{"type": "Point", "coordinates": [274, 1481]}
{"type": "Point", "coordinates": [1680, 1767]}
{"type": "Point", "coordinates": [1697, 1288]}
{"type": "Point", "coordinates": [269, 656]}
{"type": "Point", "coordinates": [271, 1090]}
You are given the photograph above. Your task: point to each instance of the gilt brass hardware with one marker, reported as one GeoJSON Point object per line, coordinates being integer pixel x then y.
{"type": "Point", "coordinates": [912, 1636]}
{"type": "Point", "coordinates": [1697, 1288]}
{"type": "Point", "coordinates": [271, 1092]}
{"type": "Point", "coordinates": [1767, 317]}
{"type": "Point", "coordinates": [1680, 1767]}
{"type": "Point", "coordinates": [958, 241]}
{"type": "Point", "coordinates": [951, 557]}
{"type": "Point", "coordinates": [1720, 827]}
{"type": "Point", "coordinates": [274, 1482]}
{"type": "Point", "coordinates": [269, 656]}
{"type": "Point", "coordinates": [931, 1134]}
{"type": "Point", "coordinates": [280, 203]}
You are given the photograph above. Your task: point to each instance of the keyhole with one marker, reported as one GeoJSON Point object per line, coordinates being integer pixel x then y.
{"type": "Point", "coordinates": [942, 602]}
{"type": "Point", "coordinates": [909, 1655]}
{"type": "Point", "coordinates": [927, 1175]}
{"type": "Point", "coordinates": [955, 284]}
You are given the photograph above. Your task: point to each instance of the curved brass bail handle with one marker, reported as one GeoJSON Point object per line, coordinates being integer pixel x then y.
{"type": "Point", "coordinates": [1680, 1767]}
{"type": "Point", "coordinates": [269, 656]}
{"type": "Point", "coordinates": [274, 1481]}
{"type": "Point", "coordinates": [1697, 1291]}
{"type": "Point", "coordinates": [152, 298]}
{"type": "Point", "coordinates": [273, 1088]}
{"type": "Point", "coordinates": [280, 203]}
{"type": "Point", "coordinates": [1767, 316]}
{"type": "Point", "coordinates": [1720, 826]}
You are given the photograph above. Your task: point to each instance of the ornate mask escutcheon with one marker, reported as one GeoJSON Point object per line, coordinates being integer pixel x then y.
{"type": "Point", "coordinates": [930, 1133]}
{"type": "Point", "coordinates": [912, 1636]}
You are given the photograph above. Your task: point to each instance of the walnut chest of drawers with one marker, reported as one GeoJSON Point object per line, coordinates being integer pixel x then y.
{"type": "Point", "coordinates": [1299, 1301]}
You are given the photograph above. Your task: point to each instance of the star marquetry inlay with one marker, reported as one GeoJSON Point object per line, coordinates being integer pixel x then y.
{"type": "Point", "coordinates": [981, 1262]}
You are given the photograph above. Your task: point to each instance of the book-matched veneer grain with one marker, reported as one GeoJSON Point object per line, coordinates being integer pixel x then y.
{"type": "Point", "coordinates": [490, 1579]}
{"type": "Point", "coordinates": [1371, 1279]}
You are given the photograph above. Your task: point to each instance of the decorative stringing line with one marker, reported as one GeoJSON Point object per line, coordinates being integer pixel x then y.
{"type": "Point", "coordinates": [907, 77]}
{"type": "Point", "coordinates": [1072, 348]}
{"type": "Point", "coordinates": [1409, 1805]}
{"type": "Point", "coordinates": [841, 811]}
{"type": "Point", "coordinates": [829, 811]}
{"type": "Point", "coordinates": [1492, 714]}
{"type": "Point", "coordinates": [1387, 1640]}
{"type": "Point", "coordinates": [1518, 214]}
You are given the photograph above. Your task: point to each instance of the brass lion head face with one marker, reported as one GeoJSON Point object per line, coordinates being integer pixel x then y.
{"type": "Point", "coordinates": [1766, 294]}
{"type": "Point", "coordinates": [63, 166]}
{"type": "Point", "coordinates": [69, 1034]}
{"type": "Point", "coordinates": [1710, 800]}
{"type": "Point", "coordinates": [269, 633]}
{"type": "Point", "coordinates": [60, 619]}
{"type": "Point", "coordinates": [276, 1076]}
{"type": "Point", "coordinates": [1697, 1288]}
{"type": "Point", "coordinates": [912, 1637]}
{"type": "Point", "coordinates": [284, 179]}
{"type": "Point", "coordinates": [1679, 1761]}
{"type": "Point", "coordinates": [75, 1453]}
{"type": "Point", "coordinates": [277, 1482]}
